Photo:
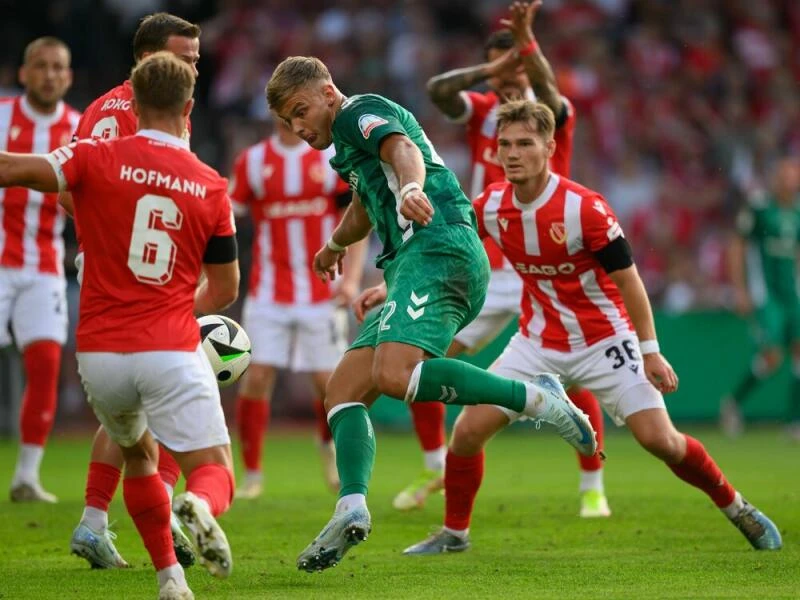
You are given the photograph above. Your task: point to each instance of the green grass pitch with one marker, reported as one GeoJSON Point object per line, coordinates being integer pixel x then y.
{"type": "Point", "coordinates": [664, 540]}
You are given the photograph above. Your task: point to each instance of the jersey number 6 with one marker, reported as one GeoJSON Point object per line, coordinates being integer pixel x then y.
{"type": "Point", "coordinates": [152, 253]}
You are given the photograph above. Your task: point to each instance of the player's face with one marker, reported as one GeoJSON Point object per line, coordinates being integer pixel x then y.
{"type": "Point", "coordinates": [46, 76]}
{"type": "Point", "coordinates": [185, 48]}
{"type": "Point", "coordinates": [523, 152]}
{"type": "Point", "coordinates": [309, 114]}
{"type": "Point", "coordinates": [787, 179]}
{"type": "Point", "coordinates": [510, 85]}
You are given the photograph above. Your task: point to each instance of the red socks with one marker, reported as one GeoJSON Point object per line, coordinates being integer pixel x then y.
{"type": "Point", "coordinates": [585, 400]}
{"type": "Point", "coordinates": [148, 506]}
{"type": "Point", "coordinates": [462, 480]}
{"type": "Point", "coordinates": [429, 424]}
{"type": "Point", "coordinates": [168, 469]}
{"type": "Point", "coordinates": [214, 484]}
{"type": "Point", "coordinates": [42, 361]}
{"type": "Point", "coordinates": [323, 431]}
{"type": "Point", "coordinates": [252, 419]}
{"type": "Point", "coordinates": [698, 469]}
{"type": "Point", "coordinates": [101, 484]}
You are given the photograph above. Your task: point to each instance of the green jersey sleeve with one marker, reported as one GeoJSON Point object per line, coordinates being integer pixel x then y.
{"type": "Point", "coordinates": [366, 122]}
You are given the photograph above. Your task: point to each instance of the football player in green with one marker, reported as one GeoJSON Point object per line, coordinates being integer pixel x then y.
{"type": "Point", "coordinates": [764, 264]}
{"type": "Point", "coordinates": [436, 273]}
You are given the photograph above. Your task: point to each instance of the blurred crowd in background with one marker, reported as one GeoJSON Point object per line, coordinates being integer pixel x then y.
{"type": "Point", "coordinates": [683, 105]}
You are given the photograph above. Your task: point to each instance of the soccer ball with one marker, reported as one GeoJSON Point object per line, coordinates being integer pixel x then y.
{"type": "Point", "coordinates": [227, 347]}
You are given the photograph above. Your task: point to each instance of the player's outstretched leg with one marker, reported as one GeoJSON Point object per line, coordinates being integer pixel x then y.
{"type": "Point", "coordinates": [428, 418]}
{"type": "Point", "coordinates": [543, 398]}
{"type": "Point", "coordinates": [592, 494]}
{"type": "Point", "coordinates": [690, 461]}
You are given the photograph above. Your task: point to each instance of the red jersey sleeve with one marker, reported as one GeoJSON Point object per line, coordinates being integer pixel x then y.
{"type": "Point", "coordinates": [477, 106]}
{"type": "Point", "coordinates": [241, 194]}
{"type": "Point", "coordinates": [69, 163]}
{"type": "Point", "coordinates": [598, 222]}
{"type": "Point", "coordinates": [478, 204]}
{"type": "Point", "coordinates": [225, 226]}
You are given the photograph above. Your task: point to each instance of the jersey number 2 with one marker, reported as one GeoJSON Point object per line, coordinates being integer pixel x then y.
{"type": "Point", "coordinates": [152, 253]}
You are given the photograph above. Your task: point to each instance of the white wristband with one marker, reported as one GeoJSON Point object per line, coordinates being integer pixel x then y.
{"type": "Point", "coordinates": [334, 246]}
{"type": "Point", "coordinates": [409, 187]}
{"type": "Point", "coordinates": [649, 347]}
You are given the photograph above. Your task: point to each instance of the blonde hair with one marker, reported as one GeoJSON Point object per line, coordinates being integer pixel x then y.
{"type": "Point", "coordinates": [292, 74]}
{"type": "Point", "coordinates": [44, 42]}
{"type": "Point", "coordinates": [162, 82]}
{"type": "Point", "coordinates": [537, 114]}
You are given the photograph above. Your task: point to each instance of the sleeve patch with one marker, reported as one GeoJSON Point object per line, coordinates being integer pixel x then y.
{"type": "Point", "coordinates": [368, 122]}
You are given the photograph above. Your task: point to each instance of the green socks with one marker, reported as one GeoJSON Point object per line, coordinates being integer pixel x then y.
{"type": "Point", "coordinates": [355, 448]}
{"type": "Point", "coordinates": [455, 382]}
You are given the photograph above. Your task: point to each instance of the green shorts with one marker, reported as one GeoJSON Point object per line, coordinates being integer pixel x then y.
{"type": "Point", "coordinates": [777, 323]}
{"type": "Point", "coordinates": [435, 286]}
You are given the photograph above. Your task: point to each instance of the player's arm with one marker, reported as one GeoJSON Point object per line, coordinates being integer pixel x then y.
{"type": "Point", "coordinates": [219, 287]}
{"type": "Point", "coordinates": [34, 171]}
{"type": "Point", "coordinates": [354, 226]}
{"type": "Point", "coordinates": [536, 66]}
{"type": "Point", "coordinates": [737, 263]}
{"type": "Point", "coordinates": [445, 90]}
{"type": "Point", "coordinates": [617, 261]}
{"type": "Point", "coordinates": [409, 167]}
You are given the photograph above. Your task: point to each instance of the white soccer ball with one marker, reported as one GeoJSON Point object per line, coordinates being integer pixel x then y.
{"type": "Point", "coordinates": [227, 347]}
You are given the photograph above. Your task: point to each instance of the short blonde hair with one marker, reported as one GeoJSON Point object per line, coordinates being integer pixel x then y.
{"type": "Point", "coordinates": [44, 42]}
{"type": "Point", "coordinates": [162, 82]}
{"type": "Point", "coordinates": [292, 74]}
{"type": "Point", "coordinates": [539, 115]}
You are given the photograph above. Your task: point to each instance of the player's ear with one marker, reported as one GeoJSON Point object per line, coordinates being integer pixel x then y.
{"type": "Point", "coordinates": [135, 107]}
{"type": "Point", "coordinates": [329, 92]}
{"type": "Point", "coordinates": [187, 110]}
{"type": "Point", "coordinates": [22, 74]}
{"type": "Point", "coordinates": [551, 147]}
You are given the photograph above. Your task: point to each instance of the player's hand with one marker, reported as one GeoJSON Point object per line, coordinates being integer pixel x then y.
{"type": "Point", "coordinates": [660, 373]}
{"type": "Point", "coordinates": [416, 207]}
{"type": "Point", "coordinates": [368, 299]}
{"type": "Point", "coordinates": [328, 264]}
{"type": "Point", "coordinates": [520, 23]}
{"type": "Point", "coordinates": [345, 292]}
{"type": "Point", "coordinates": [742, 303]}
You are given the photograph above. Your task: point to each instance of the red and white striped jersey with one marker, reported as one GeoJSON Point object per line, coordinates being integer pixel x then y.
{"type": "Point", "coordinates": [291, 193]}
{"type": "Point", "coordinates": [569, 301]}
{"type": "Point", "coordinates": [481, 120]}
{"type": "Point", "coordinates": [31, 223]}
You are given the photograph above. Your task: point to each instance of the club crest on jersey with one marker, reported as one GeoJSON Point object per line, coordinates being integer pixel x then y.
{"type": "Point", "coordinates": [14, 132]}
{"type": "Point", "coordinates": [598, 206]}
{"type": "Point", "coordinates": [558, 233]}
{"type": "Point", "coordinates": [503, 224]}
{"type": "Point", "coordinates": [316, 173]}
{"type": "Point", "coordinates": [267, 171]}
{"type": "Point", "coordinates": [366, 123]}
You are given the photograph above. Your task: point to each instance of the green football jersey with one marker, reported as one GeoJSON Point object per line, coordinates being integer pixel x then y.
{"type": "Point", "coordinates": [773, 235]}
{"type": "Point", "coordinates": [358, 129]}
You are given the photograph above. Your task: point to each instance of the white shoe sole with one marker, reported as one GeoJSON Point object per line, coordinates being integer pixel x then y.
{"type": "Point", "coordinates": [213, 550]}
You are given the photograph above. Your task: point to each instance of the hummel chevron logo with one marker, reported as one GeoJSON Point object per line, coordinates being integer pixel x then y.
{"type": "Point", "coordinates": [417, 301]}
{"type": "Point", "coordinates": [448, 394]}
{"type": "Point", "coordinates": [634, 367]}
{"type": "Point", "coordinates": [415, 314]}
{"type": "Point", "coordinates": [503, 224]}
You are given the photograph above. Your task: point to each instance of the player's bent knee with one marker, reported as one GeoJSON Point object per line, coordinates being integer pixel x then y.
{"type": "Point", "coordinates": [474, 427]}
{"type": "Point", "coordinates": [391, 380]}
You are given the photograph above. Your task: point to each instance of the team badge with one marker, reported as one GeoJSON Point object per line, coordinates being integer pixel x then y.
{"type": "Point", "coordinates": [558, 233]}
{"type": "Point", "coordinates": [316, 173]}
{"type": "Point", "coordinates": [503, 224]}
{"type": "Point", "coordinates": [267, 171]}
{"type": "Point", "coordinates": [65, 139]}
{"type": "Point", "coordinates": [15, 131]}
{"type": "Point", "coordinates": [598, 206]}
{"type": "Point", "coordinates": [366, 123]}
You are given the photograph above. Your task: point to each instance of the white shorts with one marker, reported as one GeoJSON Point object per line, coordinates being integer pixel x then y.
{"type": "Point", "coordinates": [612, 370]}
{"type": "Point", "coordinates": [174, 394]}
{"type": "Point", "coordinates": [34, 304]}
{"type": "Point", "coordinates": [310, 337]}
{"type": "Point", "coordinates": [501, 307]}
